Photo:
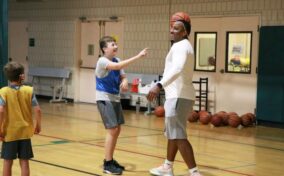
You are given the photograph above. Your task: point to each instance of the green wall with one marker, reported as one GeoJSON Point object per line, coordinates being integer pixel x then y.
{"type": "Point", "coordinates": [270, 87]}
{"type": "Point", "coordinates": [3, 39]}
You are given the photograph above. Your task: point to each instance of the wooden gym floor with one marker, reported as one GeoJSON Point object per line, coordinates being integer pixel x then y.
{"type": "Point", "coordinates": [72, 144]}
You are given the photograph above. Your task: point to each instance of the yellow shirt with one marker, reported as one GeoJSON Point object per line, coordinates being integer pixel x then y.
{"type": "Point", "coordinates": [18, 122]}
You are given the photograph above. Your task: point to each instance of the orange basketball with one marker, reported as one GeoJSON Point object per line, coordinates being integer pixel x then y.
{"type": "Point", "coordinates": [234, 120]}
{"type": "Point", "coordinates": [252, 116]}
{"type": "Point", "coordinates": [246, 120]}
{"type": "Point", "coordinates": [204, 117]}
{"type": "Point", "coordinates": [179, 16]}
{"type": "Point", "coordinates": [159, 111]}
{"type": "Point", "coordinates": [225, 117]}
{"type": "Point", "coordinates": [193, 116]}
{"type": "Point", "coordinates": [232, 113]}
{"type": "Point", "coordinates": [216, 120]}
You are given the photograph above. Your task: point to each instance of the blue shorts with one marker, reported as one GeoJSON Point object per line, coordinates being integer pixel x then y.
{"type": "Point", "coordinates": [111, 113]}
{"type": "Point", "coordinates": [21, 149]}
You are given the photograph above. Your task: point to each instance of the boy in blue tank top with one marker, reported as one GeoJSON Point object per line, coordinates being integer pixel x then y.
{"type": "Point", "coordinates": [110, 79]}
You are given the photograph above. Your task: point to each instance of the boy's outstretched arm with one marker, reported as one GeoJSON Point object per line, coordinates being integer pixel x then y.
{"type": "Point", "coordinates": [37, 112]}
{"type": "Point", "coordinates": [124, 63]}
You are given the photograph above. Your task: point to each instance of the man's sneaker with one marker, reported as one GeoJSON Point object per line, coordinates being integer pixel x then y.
{"type": "Point", "coordinates": [195, 174]}
{"type": "Point", "coordinates": [118, 165]}
{"type": "Point", "coordinates": [111, 168]}
{"type": "Point", "coordinates": [163, 170]}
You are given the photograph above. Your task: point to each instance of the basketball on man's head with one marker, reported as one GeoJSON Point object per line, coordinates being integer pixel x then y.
{"type": "Point", "coordinates": [178, 16]}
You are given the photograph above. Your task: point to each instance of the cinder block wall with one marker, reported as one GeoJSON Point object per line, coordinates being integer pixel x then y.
{"type": "Point", "coordinates": [53, 24]}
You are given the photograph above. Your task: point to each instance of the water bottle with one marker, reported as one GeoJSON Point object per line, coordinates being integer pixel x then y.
{"type": "Point", "coordinates": [138, 105]}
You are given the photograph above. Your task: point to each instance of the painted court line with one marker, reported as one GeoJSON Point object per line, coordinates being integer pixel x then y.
{"type": "Point", "coordinates": [64, 167]}
{"type": "Point", "coordinates": [96, 121]}
{"type": "Point", "coordinates": [150, 155]}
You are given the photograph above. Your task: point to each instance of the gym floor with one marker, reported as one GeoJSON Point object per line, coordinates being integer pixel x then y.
{"type": "Point", "coordinates": [72, 144]}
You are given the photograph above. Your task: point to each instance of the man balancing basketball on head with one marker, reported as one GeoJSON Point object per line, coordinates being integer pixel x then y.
{"type": "Point", "coordinates": [180, 96]}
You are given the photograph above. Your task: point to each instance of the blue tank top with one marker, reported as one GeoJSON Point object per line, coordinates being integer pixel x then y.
{"type": "Point", "coordinates": [110, 83]}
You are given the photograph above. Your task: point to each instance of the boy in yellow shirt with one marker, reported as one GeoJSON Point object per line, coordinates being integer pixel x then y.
{"type": "Point", "coordinates": [17, 128]}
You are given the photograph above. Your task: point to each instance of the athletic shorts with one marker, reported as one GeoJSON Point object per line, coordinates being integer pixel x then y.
{"type": "Point", "coordinates": [21, 149]}
{"type": "Point", "coordinates": [111, 113]}
{"type": "Point", "coordinates": [176, 114]}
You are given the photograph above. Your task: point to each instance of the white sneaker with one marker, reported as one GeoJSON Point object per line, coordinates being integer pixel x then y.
{"type": "Point", "coordinates": [195, 174]}
{"type": "Point", "coordinates": [163, 170]}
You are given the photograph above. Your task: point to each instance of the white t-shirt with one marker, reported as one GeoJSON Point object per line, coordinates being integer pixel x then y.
{"type": "Point", "coordinates": [177, 77]}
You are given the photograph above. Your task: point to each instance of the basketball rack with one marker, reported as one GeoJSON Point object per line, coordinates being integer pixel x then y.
{"type": "Point", "coordinates": [202, 96]}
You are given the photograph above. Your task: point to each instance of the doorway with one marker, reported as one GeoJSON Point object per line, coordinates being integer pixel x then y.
{"type": "Point", "coordinates": [18, 41]}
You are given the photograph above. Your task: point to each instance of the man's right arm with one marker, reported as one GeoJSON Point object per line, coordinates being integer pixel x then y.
{"type": "Point", "coordinates": [179, 57]}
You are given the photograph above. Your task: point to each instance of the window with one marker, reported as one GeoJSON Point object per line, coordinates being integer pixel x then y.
{"type": "Point", "coordinates": [91, 49]}
{"type": "Point", "coordinates": [238, 52]}
{"type": "Point", "coordinates": [205, 51]}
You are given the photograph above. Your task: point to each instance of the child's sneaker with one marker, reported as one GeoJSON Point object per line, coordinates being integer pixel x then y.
{"type": "Point", "coordinates": [195, 174]}
{"type": "Point", "coordinates": [163, 170]}
{"type": "Point", "coordinates": [118, 165]}
{"type": "Point", "coordinates": [111, 168]}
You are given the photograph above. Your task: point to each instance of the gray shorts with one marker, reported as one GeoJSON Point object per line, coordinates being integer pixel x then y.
{"type": "Point", "coordinates": [176, 114]}
{"type": "Point", "coordinates": [111, 113]}
{"type": "Point", "coordinates": [17, 149]}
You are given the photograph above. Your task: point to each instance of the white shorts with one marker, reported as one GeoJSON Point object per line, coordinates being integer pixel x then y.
{"type": "Point", "coordinates": [176, 114]}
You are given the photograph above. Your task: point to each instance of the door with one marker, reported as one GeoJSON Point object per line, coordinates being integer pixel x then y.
{"type": "Point", "coordinates": [237, 91]}
{"type": "Point", "coordinates": [115, 29]}
{"type": "Point", "coordinates": [229, 91]}
{"type": "Point", "coordinates": [90, 49]}
{"type": "Point", "coordinates": [90, 35]}
{"type": "Point", "coordinates": [18, 43]}
{"type": "Point", "coordinates": [91, 32]}
{"type": "Point", "coordinates": [270, 93]}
